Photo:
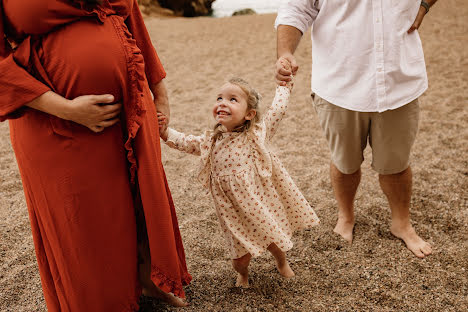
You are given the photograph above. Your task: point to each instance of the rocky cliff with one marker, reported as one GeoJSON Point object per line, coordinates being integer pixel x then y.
{"type": "Point", "coordinates": [188, 8]}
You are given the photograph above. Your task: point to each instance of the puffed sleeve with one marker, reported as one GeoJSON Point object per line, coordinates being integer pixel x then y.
{"type": "Point", "coordinates": [277, 110]}
{"type": "Point", "coordinates": [186, 143]}
{"type": "Point", "coordinates": [153, 67]}
{"type": "Point", "coordinates": [17, 86]}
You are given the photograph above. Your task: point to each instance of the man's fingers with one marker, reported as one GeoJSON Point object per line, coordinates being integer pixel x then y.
{"type": "Point", "coordinates": [418, 20]}
{"type": "Point", "coordinates": [284, 72]}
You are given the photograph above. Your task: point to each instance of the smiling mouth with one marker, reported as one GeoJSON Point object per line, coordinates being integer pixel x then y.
{"type": "Point", "coordinates": [222, 113]}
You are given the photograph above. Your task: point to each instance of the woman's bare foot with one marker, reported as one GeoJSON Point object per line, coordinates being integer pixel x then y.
{"type": "Point", "coordinates": [242, 281]}
{"type": "Point", "coordinates": [241, 265]}
{"type": "Point", "coordinates": [281, 263]}
{"type": "Point", "coordinates": [170, 299]}
{"type": "Point", "coordinates": [345, 227]}
{"type": "Point", "coordinates": [412, 240]}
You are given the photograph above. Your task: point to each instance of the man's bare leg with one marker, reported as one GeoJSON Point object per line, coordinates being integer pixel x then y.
{"type": "Point", "coordinates": [241, 265]}
{"type": "Point", "coordinates": [345, 187]}
{"type": "Point", "coordinates": [397, 188]}
{"type": "Point", "coordinates": [149, 289]}
{"type": "Point", "coordinates": [281, 262]}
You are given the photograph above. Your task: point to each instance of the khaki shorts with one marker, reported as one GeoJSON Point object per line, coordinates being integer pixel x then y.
{"type": "Point", "coordinates": [391, 135]}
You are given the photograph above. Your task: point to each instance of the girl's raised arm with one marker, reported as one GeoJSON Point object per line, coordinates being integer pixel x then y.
{"type": "Point", "coordinates": [277, 110]}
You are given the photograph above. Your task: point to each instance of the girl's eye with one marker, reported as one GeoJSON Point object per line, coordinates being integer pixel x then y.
{"type": "Point", "coordinates": [233, 100]}
{"type": "Point", "coordinates": [219, 98]}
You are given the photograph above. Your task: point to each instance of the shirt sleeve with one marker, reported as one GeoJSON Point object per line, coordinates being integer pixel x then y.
{"type": "Point", "coordinates": [186, 143]}
{"type": "Point", "coordinates": [277, 110]}
{"type": "Point", "coordinates": [153, 68]}
{"type": "Point", "coordinates": [17, 86]}
{"type": "Point", "coordinates": [300, 14]}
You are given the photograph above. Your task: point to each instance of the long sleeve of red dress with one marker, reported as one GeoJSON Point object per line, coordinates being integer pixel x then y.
{"type": "Point", "coordinates": [17, 86]}
{"type": "Point", "coordinates": [153, 67]}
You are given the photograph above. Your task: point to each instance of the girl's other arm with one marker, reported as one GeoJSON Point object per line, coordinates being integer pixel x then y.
{"type": "Point", "coordinates": [183, 142]}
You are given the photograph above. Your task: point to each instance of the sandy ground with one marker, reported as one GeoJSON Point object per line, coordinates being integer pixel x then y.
{"type": "Point", "coordinates": [376, 273]}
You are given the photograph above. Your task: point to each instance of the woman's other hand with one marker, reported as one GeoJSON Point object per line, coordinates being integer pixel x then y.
{"type": "Point", "coordinates": [162, 122]}
{"type": "Point", "coordinates": [161, 99]}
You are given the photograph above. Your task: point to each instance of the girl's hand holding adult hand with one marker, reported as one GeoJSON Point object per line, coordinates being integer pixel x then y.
{"type": "Point", "coordinates": [93, 111]}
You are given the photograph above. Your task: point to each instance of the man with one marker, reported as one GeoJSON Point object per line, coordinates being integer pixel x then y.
{"type": "Point", "coordinates": [368, 72]}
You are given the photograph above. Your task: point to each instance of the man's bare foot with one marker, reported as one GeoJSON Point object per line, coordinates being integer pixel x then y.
{"type": "Point", "coordinates": [285, 270]}
{"type": "Point", "coordinates": [242, 281]}
{"type": "Point", "coordinates": [412, 240]}
{"type": "Point", "coordinates": [345, 229]}
{"type": "Point", "coordinates": [170, 299]}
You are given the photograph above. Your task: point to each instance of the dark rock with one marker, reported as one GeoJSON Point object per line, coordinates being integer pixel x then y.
{"type": "Point", "coordinates": [188, 8]}
{"type": "Point", "coordinates": [244, 12]}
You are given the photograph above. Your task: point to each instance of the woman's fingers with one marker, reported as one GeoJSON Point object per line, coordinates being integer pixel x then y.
{"type": "Point", "coordinates": [102, 98]}
{"type": "Point", "coordinates": [111, 115]}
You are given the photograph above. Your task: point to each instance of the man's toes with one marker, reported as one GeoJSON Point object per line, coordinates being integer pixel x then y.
{"type": "Point", "coordinates": [418, 253]}
{"type": "Point", "coordinates": [426, 249]}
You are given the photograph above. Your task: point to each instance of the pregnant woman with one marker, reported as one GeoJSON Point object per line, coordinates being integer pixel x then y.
{"type": "Point", "coordinates": [102, 217]}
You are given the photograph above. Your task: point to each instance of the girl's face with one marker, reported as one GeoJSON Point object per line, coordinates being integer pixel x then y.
{"type": "Point", "coordinates": [230, 109]}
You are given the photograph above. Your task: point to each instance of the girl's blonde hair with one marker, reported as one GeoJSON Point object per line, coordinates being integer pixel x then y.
{"type": "Point", "coordinates": [253, 100]}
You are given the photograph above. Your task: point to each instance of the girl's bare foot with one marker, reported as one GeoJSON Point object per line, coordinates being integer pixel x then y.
{"type": "Point", "coordinates": [285, 270]}
{"type": "Point", "coordinates": [281, 263]}
{"type": "Point", "coordinates": [412, 240]}
{"type": "Point", "coordinates": [345, 228]}
{"type": "Point", "coordinates": [242, 281]}
{"type": "Point", "coordinates": [241, 265]}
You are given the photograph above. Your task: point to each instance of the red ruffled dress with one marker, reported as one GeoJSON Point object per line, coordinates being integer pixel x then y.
{"type": "Point", "coordinates": [82, 188]}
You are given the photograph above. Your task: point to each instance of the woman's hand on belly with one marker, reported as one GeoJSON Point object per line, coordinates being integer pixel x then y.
{"type": "Point", "coordinates": [93, 111]}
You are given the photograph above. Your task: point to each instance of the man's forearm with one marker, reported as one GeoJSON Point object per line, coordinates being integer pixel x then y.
{"type": "Point", "coordinates": [288, 38]}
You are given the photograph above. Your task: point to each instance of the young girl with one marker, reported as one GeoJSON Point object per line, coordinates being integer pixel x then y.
{"type": "Point", "coordinates": [257, 203]}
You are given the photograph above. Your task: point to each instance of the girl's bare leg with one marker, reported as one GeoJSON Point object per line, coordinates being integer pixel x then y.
{"type": "Point", "coordinates": [149, 289]}
{"type": "Point", "coordinates": [241, 265]}
{"type": "Point", "coordinates": [281, 263]}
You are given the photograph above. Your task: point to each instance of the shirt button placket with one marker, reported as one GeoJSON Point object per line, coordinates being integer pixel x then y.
{"type": "Point", "coordinates": [379, 53]}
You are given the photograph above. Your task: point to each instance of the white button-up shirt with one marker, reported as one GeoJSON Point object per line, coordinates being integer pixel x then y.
{"type": "Point", "coordinates": [363, 58]}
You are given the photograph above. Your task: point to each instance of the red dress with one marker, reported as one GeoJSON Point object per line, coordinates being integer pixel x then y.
{"type": "Point", "coordinates": [82, 188]}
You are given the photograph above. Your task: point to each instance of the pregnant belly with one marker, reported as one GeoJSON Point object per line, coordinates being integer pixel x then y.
{"type": "Point", "coordinates": [85, 57]}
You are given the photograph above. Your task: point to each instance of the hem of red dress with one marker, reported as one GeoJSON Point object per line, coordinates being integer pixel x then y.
{"type": "Point", "coordinates": [169, 285]}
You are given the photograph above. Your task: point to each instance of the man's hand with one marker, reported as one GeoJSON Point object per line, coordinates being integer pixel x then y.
{"type": "Point", "coordinates": [288, 38]}
{"type": "Point", "coordinates": [419, 18]}
{"type": "Point", "coordinates": [162, 122]}
{"type": "Point", "coordinates": [285, 67]}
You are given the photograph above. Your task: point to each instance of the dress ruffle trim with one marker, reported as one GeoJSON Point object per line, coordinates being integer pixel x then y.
{"type": "Point", "coordinates": [133, 104]}
{"type": "Point", "coordinates": [92, 9]}
{"type": "Point", "coordinates": [169, 285]}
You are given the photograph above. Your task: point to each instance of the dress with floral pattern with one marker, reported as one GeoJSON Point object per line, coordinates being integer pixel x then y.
{"type": "Point", "coordinates": [257, 202]}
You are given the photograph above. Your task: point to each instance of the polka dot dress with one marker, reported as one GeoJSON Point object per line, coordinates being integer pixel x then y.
{"type": "Point", "coordinates": [256, 201]}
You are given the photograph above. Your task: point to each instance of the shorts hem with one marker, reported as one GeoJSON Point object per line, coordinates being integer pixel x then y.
{"type": "Point", "coordinates": [346, 170]}
{"type": "Point", "coordinates": [390, 171]}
